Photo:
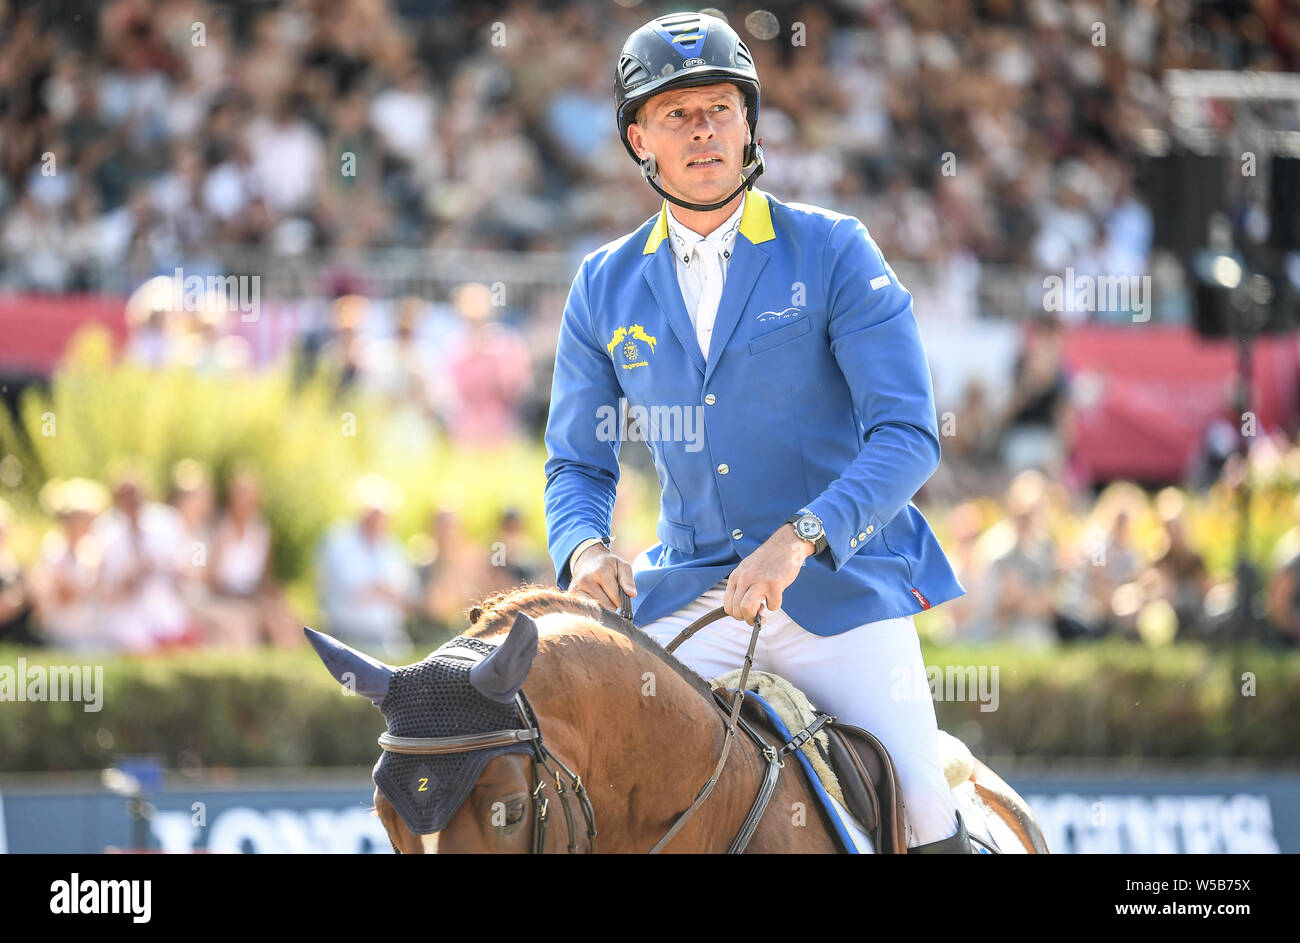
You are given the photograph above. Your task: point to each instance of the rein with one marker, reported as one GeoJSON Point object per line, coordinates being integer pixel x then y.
{"type": "Point", "coordinates": [768, 785]}
{"type": "Point", "coordinates": [530, 732]}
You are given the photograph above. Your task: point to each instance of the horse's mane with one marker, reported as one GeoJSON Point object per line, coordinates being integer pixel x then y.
{"type": "Point", "coordinates": [497, 612]}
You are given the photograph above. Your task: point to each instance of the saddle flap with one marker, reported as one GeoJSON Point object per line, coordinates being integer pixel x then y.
{"type": "Point", "coordinates": [859, 794]}
{"type": "Point", "coordinates": [868, 762]}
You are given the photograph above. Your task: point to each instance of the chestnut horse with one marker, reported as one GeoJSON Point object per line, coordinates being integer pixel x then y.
{"type": "Point", "coordinates": [636, 731]}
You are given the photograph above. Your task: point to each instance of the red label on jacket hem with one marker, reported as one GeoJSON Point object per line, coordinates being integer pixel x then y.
{"type": "Point", "coordinates": [925, 603]}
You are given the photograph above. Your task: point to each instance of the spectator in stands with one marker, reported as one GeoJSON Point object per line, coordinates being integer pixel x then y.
{"type": "Point", "coordinates": [352, 189]}
{"type": "Point", "coordinates": [191, 496]}
{"type": "Point", "coordinates": [459, 575]}
{"type": "Point", "coordinates": [1284, 585]}
{"type": "Point", "coordinates": [1036, 411]}
{"type": "Point", "coordinates": [1103, 561]}
{"type": "Point", "coordinates": [1122, 559]}
{"type": "Point", "coordinates": [85, 241]}
{"type": "Point", "coordinates": [514, 557]}
{"type": "Point", "coordinates": [366, 584]}
{"type": "Point", "coordinates": [490, 372]}
{"type": "Point", "coordinates": [1022, 578]}
{"type": "Point", "coordinates": [341, 353]}
{"type": "Point", "coordinates": [34, 237]}
{"type": "Point", "coordinates": [206, 345]}
{"type": "Point", "coordinates": [145, 554]}
{"type": "Point", "coordinates": [961, 544]}
{"type": "Point", "coordinates": [401, 371]}
{"type": "Point", "coordinates": [1219, 445]}
{"type": "Point", "coordinates": [1179, 576]}
{"type": "Point", "coordinates": [970, 446]}
{"type": "Point", "coordinates": [1067, 229]}
{"type": "Point", "coordinates": [1083, 606]}
{"type": "Point", "coordinates": [153, 328]}
{"type": "Point", "coordinates": [287, 156]}
{"type": "Point", "coordinates": [250, 609]}
{"type": "Point", "coordinates": [66, 575]}
{"type": "Point", "coordinates": [15, 595]}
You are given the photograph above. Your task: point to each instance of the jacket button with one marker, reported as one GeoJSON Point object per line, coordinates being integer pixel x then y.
{"type": "Point", "coordinates": [853, 542]}
{"type": "Point", "coordinates": [862, 536]}
{"type": "Point", "coordinates": [737, 534]}
{"type": "Point", "coordinates": [723, 469]}
{"type": "Point", "coordinates": [710, 400]}
{"type": "Point", "coordinates": [871, 528]}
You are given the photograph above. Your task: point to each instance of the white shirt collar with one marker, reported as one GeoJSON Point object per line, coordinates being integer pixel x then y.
{"type": "Point", "coordinates": [684, 239]}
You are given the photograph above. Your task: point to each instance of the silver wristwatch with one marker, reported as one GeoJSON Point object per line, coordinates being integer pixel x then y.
{"type": "Point", "coordinates": [809, 526]}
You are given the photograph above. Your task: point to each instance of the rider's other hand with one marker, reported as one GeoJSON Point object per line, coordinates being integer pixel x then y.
{"type": "Point", "coordinates": [765, 574]}
{"type": "Point", "coordinates": [597, 573]}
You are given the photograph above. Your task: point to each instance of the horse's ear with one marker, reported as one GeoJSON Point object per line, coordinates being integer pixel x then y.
{"type": "Point", "coordinates": [500, 676]}
{"type": "Point", "coordinates": [475, 614]}
{"type": "Point", "coordinates": [355, 670]}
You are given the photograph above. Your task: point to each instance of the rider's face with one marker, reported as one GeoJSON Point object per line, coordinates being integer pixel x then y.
{"type": "Point", "coordinates": [683, 126]}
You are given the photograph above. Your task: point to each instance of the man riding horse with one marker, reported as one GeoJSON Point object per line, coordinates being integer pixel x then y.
{"type": "Point", "coordinates": [786, 331]}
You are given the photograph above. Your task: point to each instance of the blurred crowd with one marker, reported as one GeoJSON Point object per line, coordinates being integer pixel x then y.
{"type": "Point", "coordinates": [1040, 570]}
{"type": "Point", "coordinates": [460, 368]}
{"type": "Point", "coordinates": [120, 572]}
{"type": "Point", "coordinates": [464, 373]}
{"type": "Point", "coordinates": [123, 573]}
{"type": "Point", "coordinates": [964, 134]}
{"type": "Point", "coordinates": [378, 593]}
{"type": "Point", "coordinates": [1001, 131]}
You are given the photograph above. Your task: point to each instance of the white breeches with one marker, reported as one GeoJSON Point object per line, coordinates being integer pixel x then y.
{"type": "Point", "coordinates": [872, 677]}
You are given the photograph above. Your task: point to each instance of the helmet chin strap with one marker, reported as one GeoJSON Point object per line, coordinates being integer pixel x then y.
{"type": "Point", "coordinates": [650, 169]}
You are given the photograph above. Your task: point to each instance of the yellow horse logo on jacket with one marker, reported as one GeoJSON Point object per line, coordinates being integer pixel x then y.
{"type": "Point", "coordinates": [628, 336]}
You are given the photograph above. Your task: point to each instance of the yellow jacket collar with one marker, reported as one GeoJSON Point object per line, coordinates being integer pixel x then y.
{"type": "Point", "coordinates": [755, 222]}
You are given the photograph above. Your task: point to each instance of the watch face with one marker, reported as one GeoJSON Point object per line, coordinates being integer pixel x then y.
{"type": "Point", "coordinates": [809, 528]}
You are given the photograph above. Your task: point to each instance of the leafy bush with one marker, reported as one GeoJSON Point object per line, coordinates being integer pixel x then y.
{"type": "Point", "coordinates": [308, 448]}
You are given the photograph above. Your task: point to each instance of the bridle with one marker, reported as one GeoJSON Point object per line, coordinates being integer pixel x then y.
{"type": "Point", "coordinates": [530, 732]}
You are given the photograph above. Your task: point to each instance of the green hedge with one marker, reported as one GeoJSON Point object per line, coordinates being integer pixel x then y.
{"type": "Point", "coordinates": [275, 708]}
{"type": "Point", "coordinates": [282, 709]}
{"type": "Point", "coordinates": [1126, 700]}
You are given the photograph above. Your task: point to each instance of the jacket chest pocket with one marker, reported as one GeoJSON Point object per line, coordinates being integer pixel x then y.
{"type": "Point", "coordinates": [782, 335]}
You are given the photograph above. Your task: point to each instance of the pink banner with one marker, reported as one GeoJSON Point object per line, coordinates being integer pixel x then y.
{"type": "Point", "coordinates": [35, 329]}
{"type": "Point", "coordinates": [1143, 397]}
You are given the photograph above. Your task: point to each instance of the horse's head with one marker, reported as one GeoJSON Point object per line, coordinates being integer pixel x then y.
{"type": "Point", "coordinates": [466, 688]}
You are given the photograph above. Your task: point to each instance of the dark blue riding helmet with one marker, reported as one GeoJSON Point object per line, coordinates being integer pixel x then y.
{"type": "Point", "coordinates": [682, 50]}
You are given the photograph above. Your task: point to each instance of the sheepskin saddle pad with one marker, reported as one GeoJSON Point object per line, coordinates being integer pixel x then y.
{"type": "Point", "coordinates": [797, 712]}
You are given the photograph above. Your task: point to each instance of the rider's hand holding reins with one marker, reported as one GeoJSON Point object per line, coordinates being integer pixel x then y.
{"type": "Point", "coordinates": [597, 573]}
{"type": "Point", "coordinates": [765, 574]}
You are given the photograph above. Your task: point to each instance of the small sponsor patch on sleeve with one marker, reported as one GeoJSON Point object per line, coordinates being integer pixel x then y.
{"type": "Point", "coordinates": [879, 282]}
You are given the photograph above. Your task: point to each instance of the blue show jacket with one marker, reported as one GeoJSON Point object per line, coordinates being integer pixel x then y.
{"type": "Point", "coordinates": [816, 393]}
